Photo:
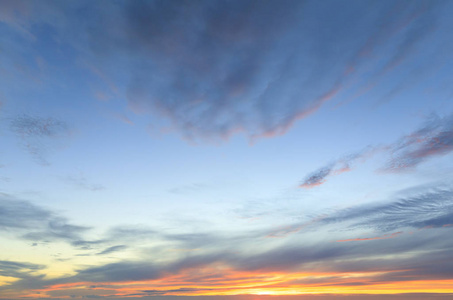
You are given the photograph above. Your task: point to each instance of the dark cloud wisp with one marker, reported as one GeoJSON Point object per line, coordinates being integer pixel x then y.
{"type": "Point", "coordinates": [218, 68]}
{"type": "Point", "coordinates": [433, 139]}
{"type": "Point", "coordinates": [35, 223]}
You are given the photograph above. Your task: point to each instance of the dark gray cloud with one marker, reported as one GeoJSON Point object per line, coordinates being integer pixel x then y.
{"type": "Point", "coordinates": [18, 269]}
{"type": "Point", "coordinates": [39, 135]}
{"type": "Point", "coordinates": [112, 249]}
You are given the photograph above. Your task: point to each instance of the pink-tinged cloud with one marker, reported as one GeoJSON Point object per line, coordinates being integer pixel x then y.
{"type": "Point", "coordinates": [289, 122]}
{"type": "Point", "coordinates": [317, 178]}
{"type": "Point", "coordinates": [434, 139]}
{"type": "Point", "coordinates": [384, 237]}
{"type": "Point", "coordinates": [338, 167]}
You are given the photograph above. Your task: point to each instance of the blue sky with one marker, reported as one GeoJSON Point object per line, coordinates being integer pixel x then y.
{"type": "Point", "coordinates": [177, 148]}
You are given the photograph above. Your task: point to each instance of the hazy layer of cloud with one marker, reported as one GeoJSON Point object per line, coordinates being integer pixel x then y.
{"type": "Point", "coordinates": [35, 223]}
{"type": "Point", "coordinates": [38, 135]}
{"type": "Point", "coordinates": [410, 243]}
{"type": "Point", "coordinates": [82, 182]}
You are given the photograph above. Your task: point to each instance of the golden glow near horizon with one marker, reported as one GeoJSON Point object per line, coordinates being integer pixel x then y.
{"type": "Point", "coordinates": [243, 148]}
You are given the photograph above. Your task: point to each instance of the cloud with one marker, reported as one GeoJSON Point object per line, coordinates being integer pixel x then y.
{"type": "Point", "coordinates": [18, 269]}
{"type": "Point", "coordinates": [35, 223]}
{"type": "Point", "coordinates": [338, 167]}
{"type": "Point", "coordinates": [435, 138]}
{"type": "Point", "coordinates": [385, 236]}
{"type": "Point", "coordinates": [317, 178]}
{"type": "Point", "coordinates": [224, 260]}
{"type": "Point", "coordinates": [16, 214]}
{"type": "Point", "coordinates": [429, 209]}
{"type": "Point", "coordinates": [214, 69]}
{"type": "Point", "coordinates": [82, 182]}
{"type": "Point", "coordinates": [38, 134]}
{"type": "Point", "coordinates": [112, 249]}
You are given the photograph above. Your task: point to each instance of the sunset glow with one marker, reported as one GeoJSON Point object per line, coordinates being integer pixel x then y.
{"type": "Point", "coordinates": [226, 149]}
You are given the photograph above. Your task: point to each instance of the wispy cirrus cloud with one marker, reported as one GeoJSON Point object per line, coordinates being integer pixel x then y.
{"type": "Point", "coordinates": [430, 209]}
{"type": "Point", "coordinates": [260, 66]}
{"type": "Point", "coordinates": [433, 139]}
{"type": "Point", "coordinates": [255, 71]}
{"type": "Point", "coordinates": [340, 166]}
{"type": "Point", "coordinates": [385, 236]}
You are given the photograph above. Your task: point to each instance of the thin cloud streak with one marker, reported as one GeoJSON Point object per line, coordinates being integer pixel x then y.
{"type": "Point", "coordinates": [338, 167]}
{"type": "Point", "coordinates": [384, 237]}
{"type": "Point", "coordinates": [434, 139]}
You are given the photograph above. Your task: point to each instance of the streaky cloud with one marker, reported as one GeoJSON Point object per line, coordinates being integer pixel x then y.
{"type": "Point", "coordinates": [34, 223]}
{"type": "Point", "coordinates": [317, 178]}
{"type": "Point", "coordinates": [337, 167]}
{"type": "Point", "coordinates": [433, 139]}
{"type": "Point", "coordinates": [112, 249]}
{"type": "Point", "coordinates": [18, 269]}
{"type": "Point", "coordinates": [384, 237]}
{"type": "Point", "coordinates": [249, 67]}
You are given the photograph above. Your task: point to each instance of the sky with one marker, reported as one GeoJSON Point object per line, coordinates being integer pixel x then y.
{"type": "Point", "coordinates": [226, 150]}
